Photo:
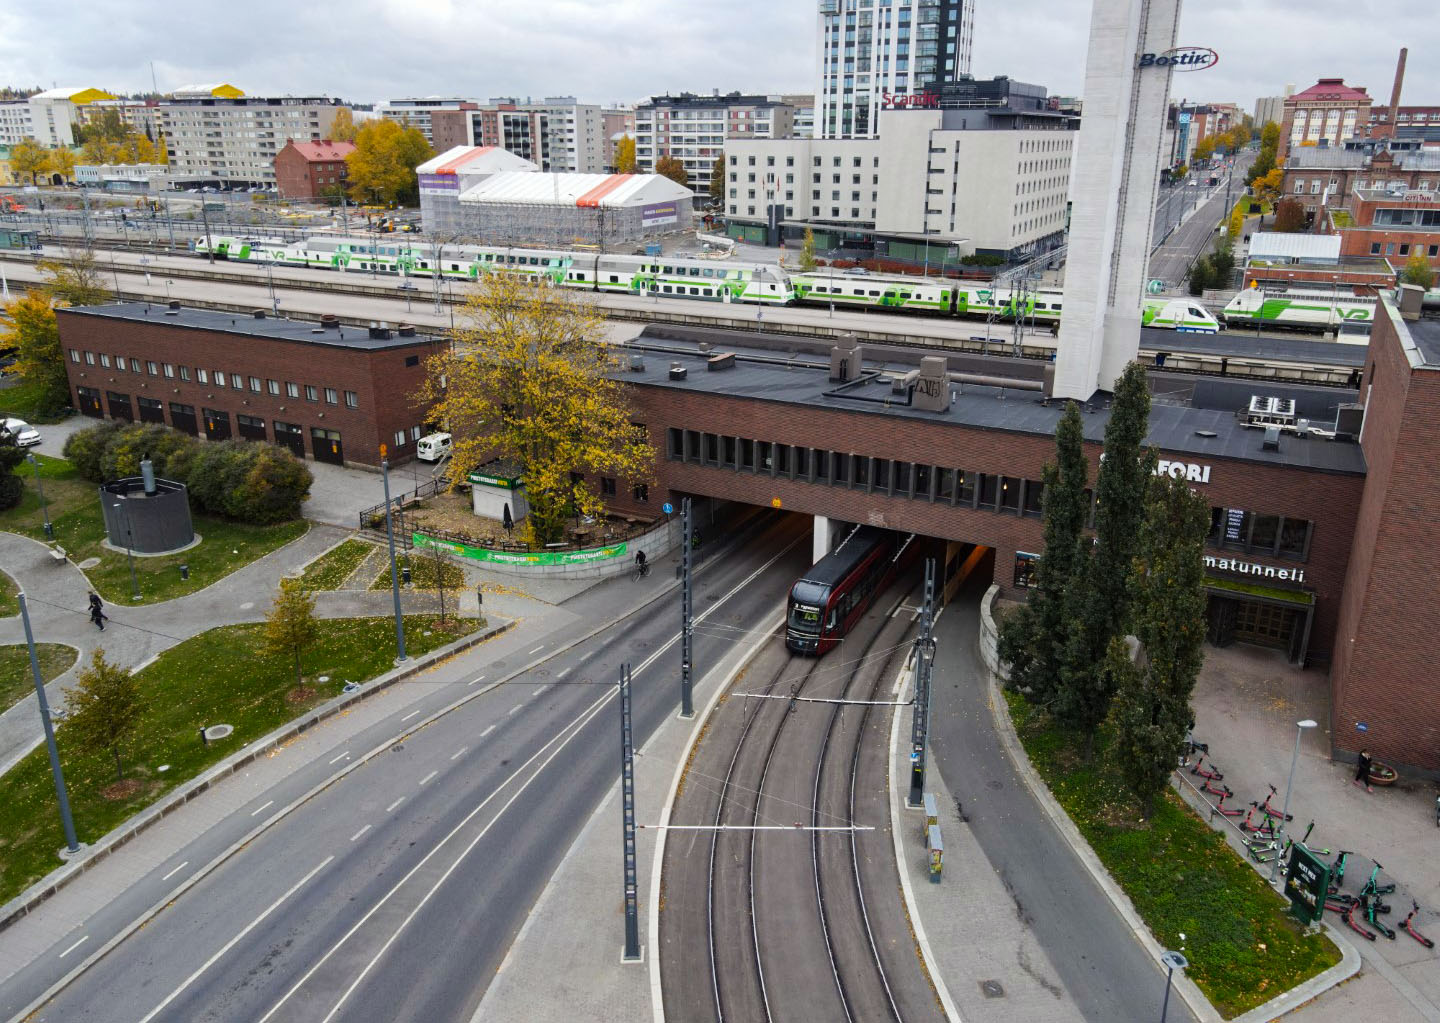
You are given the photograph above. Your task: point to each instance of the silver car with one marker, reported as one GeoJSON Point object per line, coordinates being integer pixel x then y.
{"type": "Point", "coordinates": [25, 435]}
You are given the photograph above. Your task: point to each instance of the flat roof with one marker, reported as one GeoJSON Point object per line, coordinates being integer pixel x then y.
{"type": "Point", "coordinates": [1426, 333]}
{"type": "Point", "coordinates": [780, 374]}
{"type": "Point", "coordinates": [349, 336]}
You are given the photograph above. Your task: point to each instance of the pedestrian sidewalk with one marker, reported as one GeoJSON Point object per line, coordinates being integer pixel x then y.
{"type": "Point", "coordinates": [1247, 702]}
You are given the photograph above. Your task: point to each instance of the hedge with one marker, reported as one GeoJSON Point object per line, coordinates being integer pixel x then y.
{"type": "Point", "coordinates": [244, 480]}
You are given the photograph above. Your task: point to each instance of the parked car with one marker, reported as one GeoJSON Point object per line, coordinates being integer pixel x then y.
{"type": "Point", "coordinates": [25, 435]}
{"type": "Point", "coordinates": [432, 447]}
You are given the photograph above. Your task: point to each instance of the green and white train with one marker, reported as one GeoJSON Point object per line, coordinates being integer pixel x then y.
{"type": "Point", "coordinates": [1298, 309]}
{"type": "Point", "coordinates": [691, 278]}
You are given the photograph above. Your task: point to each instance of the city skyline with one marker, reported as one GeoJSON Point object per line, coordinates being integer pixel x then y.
{"type": "Point", "coordinates": [633, 49]}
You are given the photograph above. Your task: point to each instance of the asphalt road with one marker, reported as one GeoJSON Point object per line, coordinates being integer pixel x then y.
{"type": "Point", "coordinates": [1101, 963]}
{"type": "Point", "coordinates": [395, 893]}
{"type": "Point", "coordinates": [1171, 260]}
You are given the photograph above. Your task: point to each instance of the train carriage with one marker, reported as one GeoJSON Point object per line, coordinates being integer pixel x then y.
{"type": "Point", "coordinates": [834, 593]}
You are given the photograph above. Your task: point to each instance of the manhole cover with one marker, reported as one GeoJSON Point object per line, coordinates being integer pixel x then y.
{"type": "Point", "coordinates": [992, 989]}
{"type": "Point", "coordinates": [996, 785]}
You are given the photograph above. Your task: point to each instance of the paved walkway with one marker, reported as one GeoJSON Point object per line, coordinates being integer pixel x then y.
{"type": "Point", "coordinates": [1247, 703]}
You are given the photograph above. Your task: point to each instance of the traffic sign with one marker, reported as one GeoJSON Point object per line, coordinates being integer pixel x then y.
{"type": "Point", "coordinates": [667, 508]}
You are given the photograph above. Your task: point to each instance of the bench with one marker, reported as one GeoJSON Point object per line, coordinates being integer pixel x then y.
{"type": "Point", "coordinates": [58, 553]}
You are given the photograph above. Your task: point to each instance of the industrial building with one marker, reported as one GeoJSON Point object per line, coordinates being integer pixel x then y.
{"type": "Point", "coordinates": [443, 178]}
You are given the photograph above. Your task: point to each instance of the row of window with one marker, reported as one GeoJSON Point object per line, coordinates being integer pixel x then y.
{"type": "Point", "coordinates": [218, 377]}
{"type": "Point", "coordinates": [857, 472]}
{"type": "Point", "coordinates": [1277, 536]}
{"type": "Point", "coordinates": [1388, 249]}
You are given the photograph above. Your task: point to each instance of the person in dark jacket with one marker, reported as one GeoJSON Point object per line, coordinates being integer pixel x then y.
{"type": "Point", "coordinates": [1362, 770]}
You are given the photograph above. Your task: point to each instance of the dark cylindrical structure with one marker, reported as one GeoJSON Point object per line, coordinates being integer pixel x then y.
{"type": "Point", "coordinates": [147, 523]}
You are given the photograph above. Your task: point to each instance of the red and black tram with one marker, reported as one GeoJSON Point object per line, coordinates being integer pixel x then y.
{"type": "Point", "coordinates": [829, 599]}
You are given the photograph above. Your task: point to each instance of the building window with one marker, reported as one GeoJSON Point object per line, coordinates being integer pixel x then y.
{"type": "Point", "coordinates": [169, 370]}
{"type": "Point", "coordinates": [202, 376]}
{"type": "Point", "coordinates": [255, 384]}
{"type": "Point", "coordinates": [641, 492]}
{"type": "Point", "coordinates": [607, 486]}
{"type": "Point", "coordinates": [184, 372]}
{"type": "Point", "coordinates": [152, 369]}
{"type": "Point", "coordinates": [89, 358]}
{"type": "Point", "coordinates": [134, 365]}
{"type": "Point", "coordinates": [311, 394]}
{"type": "Point", "coordinates": [352, 400]}
{"type": "Point", "coordinates": [273, 386]}
{"type": "Point", "coordinates": [237, 382]}
{"type": "Point", "coordinates": [291, 390]}
{"type": "Point", "coordinates": [219, 376]}
{"type": "Point", "coordinates": [74, 356]}
{"type": "Point", "coordinates": [331, 397]}
{"type": "Point", "coordinates": [104, 360]}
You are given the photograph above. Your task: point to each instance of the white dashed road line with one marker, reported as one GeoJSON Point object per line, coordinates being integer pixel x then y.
{"type": "Point", "coordinates": [175, 871]}
{"type": "Point", "coordinates": [341, 757]}
{"type": "Point", "coordinates": [360, 832]}
{"type": "Point", "coordinates": [513, 709]}
{"type": "Point", "coordinates": [537, 649]}
{"type": "Point", "coordinates": [258, 809]}
{"type": "Point", "coordinates": [459, 753]}
{"type": "Point", "coordinates": [73, 947]}
{"type": "Point", "coordinates": [432, 774]}
{"type": "Point", "coordinates": [487, 731]}
{"type": "Point", "coordinates": [392, 806]}
{"type": "Point", "coordinates": [407, 717]}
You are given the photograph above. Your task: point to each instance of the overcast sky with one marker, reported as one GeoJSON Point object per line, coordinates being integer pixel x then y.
{"type": "Point", "coordinates": [624, 50]}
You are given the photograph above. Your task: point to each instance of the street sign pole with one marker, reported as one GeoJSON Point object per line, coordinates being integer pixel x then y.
{"type": "Point", "coordinates": [687, 609]}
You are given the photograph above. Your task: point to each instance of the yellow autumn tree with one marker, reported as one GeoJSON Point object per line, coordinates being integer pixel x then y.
{"type": "Point", "coordinates": [528, 381]}
{"type": "Point", "coordinates": [625, 155]}
{"type": "Point", "coordinates": [28, 160]}
{"type": "Point", "coordinates": [382, 167]}
{"type": "Point", "coordinates": [62, 162]}
{"type": "Point", "coordinates": [342, 129]}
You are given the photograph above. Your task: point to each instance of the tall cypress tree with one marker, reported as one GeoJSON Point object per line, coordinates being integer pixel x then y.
{"type": "Point", "coordinates": [1152, 704]}
{"type": "Point", "coordinates": [1098, 604]}
{"type": "Point", "coordinates": [1032, 636]}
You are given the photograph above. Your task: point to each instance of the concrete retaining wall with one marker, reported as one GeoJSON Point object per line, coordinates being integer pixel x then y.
{"type": "Point", "coordinates": [990, 636]}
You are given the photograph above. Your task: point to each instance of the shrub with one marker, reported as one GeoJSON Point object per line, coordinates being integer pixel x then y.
{"type": "Point", "coordinates": [85, 448]}
{"type": "Point", "coordinates": [982, 259]}
{"type": "Point", "coordinates": [274, 485]}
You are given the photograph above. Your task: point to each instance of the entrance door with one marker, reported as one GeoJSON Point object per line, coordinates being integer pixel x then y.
{"type": "Point", "coordinates": [1221, 626]}
{"type": "Point", "coordinates": [326, 445]}
{"type": "Point", "coordinates": [217, 424]}
{"type": "Point", "coordinates": [151, 411]}
{"type": "Point", "coordinates": [120, 407]}
{"type": "Point", "coordinates": [89, 400]}
{"type": "Point", "coordinates": [290, 436]}
{"type": "Point", "coordinates": [182, 417]}
{"type": "Point", "coordinates": [1265, 624]}
{"type": "Point", "coordinates": [250, 427]}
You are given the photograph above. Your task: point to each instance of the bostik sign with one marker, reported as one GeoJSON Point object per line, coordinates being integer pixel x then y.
{"type": "Point", "coordinates": [1182, 58]}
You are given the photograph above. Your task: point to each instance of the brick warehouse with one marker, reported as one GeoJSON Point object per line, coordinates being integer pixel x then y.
{"type": "Point", "coordinates": [1311, 547]}
{"type": "Point", "coordinates": [327, 391]}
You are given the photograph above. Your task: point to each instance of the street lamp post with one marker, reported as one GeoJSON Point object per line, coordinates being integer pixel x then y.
{"type": "Point", "coordinates": [270, 276]}
{"type": "Point", "coordinates": [1300, 727]}
{"type": "Point", "coordinates": [44, 505]}
{"type": "Point", "coordinates": [129, 549]}
{"type": "Point", "coordinates": [72, 845]}
{"type": "Point", "coordinates": [394, 571]}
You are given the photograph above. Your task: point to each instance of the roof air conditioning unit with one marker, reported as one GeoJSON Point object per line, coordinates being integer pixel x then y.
{"type": "Point", "coordinates": [678, 372]}
{"type": "Point", "coordinates": [1272, 439]}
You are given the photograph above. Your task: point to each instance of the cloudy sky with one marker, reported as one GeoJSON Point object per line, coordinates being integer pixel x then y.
{"type": "Point", "coordinates": [624, 50]}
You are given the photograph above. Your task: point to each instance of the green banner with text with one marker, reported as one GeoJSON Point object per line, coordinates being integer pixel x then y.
{"type": "Point", "coordinates": [521, 557]}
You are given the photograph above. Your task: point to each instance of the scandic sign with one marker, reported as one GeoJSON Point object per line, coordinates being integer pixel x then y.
{"type": "Point", "coordinates": [1182, 58]}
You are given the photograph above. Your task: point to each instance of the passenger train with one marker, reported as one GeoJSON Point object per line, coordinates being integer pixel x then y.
{"type": "Point", "coordinates": [692, 278]}
{"type": "Point", "coordinates": [1298, 308]}
{"type": "Point", "coordinates": [834, 593]}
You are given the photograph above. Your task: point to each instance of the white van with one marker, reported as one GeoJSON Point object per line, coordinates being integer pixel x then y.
{"type": "Point", "coordinates": [432, 447]}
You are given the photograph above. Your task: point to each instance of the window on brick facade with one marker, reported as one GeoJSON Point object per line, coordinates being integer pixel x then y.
{"type": "Point", "coordinates": [255, 384]}
{"type": "Point", "coordinates": [352, 400]}
{"type": "Point", "coordinates": [607, 486]}
{"type": "Point", "coordinates": [292, 390]}
{"type": "Point", "coordinates": [311, 394]}
{"type": "Point", "coordinates": [75, 356]}
{"type": "Point", "coordinates": [104, 360]}
{"type": "Point", "coordinates": [202, 376]}
{"type": "Point", "coordinates": [331, 396]}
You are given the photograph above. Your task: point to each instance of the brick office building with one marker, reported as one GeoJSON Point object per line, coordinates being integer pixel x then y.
{"type": "Point", "coordinates": [327, 391]}
{"type": "Point", "coordinates": [311, 170]}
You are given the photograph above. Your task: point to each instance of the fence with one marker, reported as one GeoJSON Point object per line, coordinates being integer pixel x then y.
{"type": "Point", "coordinates": [372, 519]}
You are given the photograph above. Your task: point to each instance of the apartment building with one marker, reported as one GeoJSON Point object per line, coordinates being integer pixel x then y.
{"type": "Point", "coordinates": [557, 133]}
{"type": "Point", "coordinates": [47, 117]}
{"type": "Point", "coordinates": [695, 129]}
{"type": "Point", "coordinates": [1326, 114]}
{"type": "Point", "coordinates": [216, 135]}
{"type": "Point", "coordinates": [416, 111]}
{"type": "Point", "coordinates": [871, 56]}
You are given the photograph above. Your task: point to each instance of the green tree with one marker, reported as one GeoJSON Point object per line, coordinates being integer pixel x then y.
{"type": "Point", "coordinates": [673, 169]}
{"type": "Point", "coordinates": [1270, 136]}
{"type": "Point", "coordinates": [290, 627]}
{"type": "Point", "coordinates": [34, 336]}
{"type": "Point", "coordinates": [1289, 216]}
{"type": "Point", "coordinates": [1200, 276]}
{"type": "Point", "coordinates": [105, 707]}
{"type": "Point", "coordinates": [807, 252]}
{"type": "Point", "coordinates": [1222, 263]}
{"type": "Point", "coordinates": [11, 489]}
{"type": "Point", "coordinates": [1098, 608]}
{"type": "Point", "coordinates": [1270, 185]}
{"type": "Point", "coordinates": [1205, 148]}
{"type": "Point", "coordinates": [343, 129]}
{"type": "Point", "coordinates": [1417, 270]}
{"type": "Point", "coordinates": [717, 179]}
{"type": "Point", "coordinates": [1032, 635]}
{"type": "Point", "coordinates": [382, 167]}
{"type": "Point", "coordinates": [29, 160]}
{"type": "Point", "coordinates": [1262, 165]}
{"type": "Point", "coordinates": [1152, 699]}
{"type": "Point", "coordinates": [625, 155]}
{"type": "Point", "coordinates": [528, 380]}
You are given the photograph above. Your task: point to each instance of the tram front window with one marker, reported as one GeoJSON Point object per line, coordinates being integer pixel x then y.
{"type": "Point", "coordinates": [805, 619]}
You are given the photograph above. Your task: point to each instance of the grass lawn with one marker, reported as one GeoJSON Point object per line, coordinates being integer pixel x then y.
{"type": "Point", "coordinates": [80, 529]}
{"type": "Point", "coordinates": [8, 604]}
{"type": "Point", "coordinates": [423, 573]}
{"type": "Point", "coordinates": [219, 677]}
{"type": "Point", "coordinates": [331, 569]}
{"type": "Point", "coordinates": [1244, 947]}
{"type": "Point", "coordinates": [22, 401]}
{"type": "Point", "coordinates": [16, 682]}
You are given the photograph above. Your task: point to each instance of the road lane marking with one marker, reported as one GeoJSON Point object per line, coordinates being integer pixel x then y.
{"type": "Point", "coordinates": [360, 832]}
{"type": "Point", "coordinates": [574, 728]}
{"type": "Point", "coordinates": [235, 940]}
{"type": "Point", "coordinates": [563, 673]}
{"type": "Point", "coordinates": [73, 947]}
{"type": "Point", "coordinates": [258, 809]}
{"type": "Point", "coordinates": [392, 806]}
{"type": "Point", "coordinates": [432, 774]}
{"type": "Point", "coordinates": [459, 753]}
{"type": "Point", "coordinates": [512, 710]}
{"type": "Point", "coordinates": [487, 731]}
{"type": "Point", "coordinates": [474, 680]}
{"type": "Point", "coordinates": [407, 717]}
{"type": "Point", "coordinates": [176, 871]}
{"type": "Point", "coordinates": [342, 756]}
{"type": "Point", "coordinates": [537, 649]}
{"type": "Point", "coordinates": [539, 691]}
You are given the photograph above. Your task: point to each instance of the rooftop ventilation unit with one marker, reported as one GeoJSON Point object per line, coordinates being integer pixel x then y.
{"type": "Point", "coordinates": [1270, 411]}
{"type": "Point", "coordinates": [174, 303]}
{"type": "Point", "coordinates": [637, 362]}
{"type": "Point", "coordinates": [405, 330]}
{"type": "Point", "coordinates": [380, 333]}
{"type": "Point", "coordinates": [678, 372]}
{"type": "Point", "coordinates": [1272, 439]}
{"type": "Point", "coordinates": [259, 314]}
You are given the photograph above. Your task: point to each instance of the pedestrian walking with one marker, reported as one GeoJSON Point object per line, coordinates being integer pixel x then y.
{"type": "Point", "coordinates": [94, 600]}
{"type": "Point", "coordinates": [98, 617]}
{"type": "Point", "coordinates": [1362, 770]}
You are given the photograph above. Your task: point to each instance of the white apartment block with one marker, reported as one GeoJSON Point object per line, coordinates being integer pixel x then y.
{"type": "Point", "coordinates": [47, 117]}
{"type": "Point", "coordinates": [872, 51]}
{"type": "Point", "coordinates": [575, 133]}
{"type": "Point", "coordinates": [696, 129]}
{"type": "Point", "coordinates": [232, 140]}
{"type": "Point", "coordinates": [994, 191]}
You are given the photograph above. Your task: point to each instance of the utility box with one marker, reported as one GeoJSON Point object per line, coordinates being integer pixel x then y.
{"type": "Point", "coordinates": [935, 850]}
{"type": "Point", "coordinates": [932, 812]}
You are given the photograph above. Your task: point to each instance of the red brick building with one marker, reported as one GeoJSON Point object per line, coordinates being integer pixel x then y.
{"type": "Point", "coordinates": [1327, 113]}
{"type": "Point", "coordinates": [1392, 224]}
{"type": "Point", "coordinates": [326, 391]}
{"type": "Point", "coordinates": [308, 170]}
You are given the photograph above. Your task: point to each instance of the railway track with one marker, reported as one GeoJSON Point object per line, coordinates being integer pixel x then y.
{"type": "Point", "coordinates": [795, 925]}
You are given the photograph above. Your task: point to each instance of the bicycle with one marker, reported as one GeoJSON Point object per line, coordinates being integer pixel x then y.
{"type": "Point", "coordinates": [1415, 908]}
{"type": "Point", "coordinates": [641, 571]}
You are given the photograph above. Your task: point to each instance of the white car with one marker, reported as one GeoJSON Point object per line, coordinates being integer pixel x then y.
{"type": "Point", "coordinates": [25, 435]}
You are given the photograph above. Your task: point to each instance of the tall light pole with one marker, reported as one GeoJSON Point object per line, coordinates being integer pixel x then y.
{"type": "Point", "coordinates": [129, 548]}
{"type": "Point", "coordinates": [1300, 727]}
{"type": "Point", "coordinates": [71, 844]}
{"type": "Point", "coordinates": [44, 505]}
{"type": "Point", "coordinates": [394, 571]}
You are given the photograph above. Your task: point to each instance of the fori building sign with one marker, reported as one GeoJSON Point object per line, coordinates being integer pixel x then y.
{"type": "Point", "coordinates": [1182, 58]}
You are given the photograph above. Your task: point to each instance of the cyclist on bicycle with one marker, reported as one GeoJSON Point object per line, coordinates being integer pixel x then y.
{"type": "Point", "coordinates": [640, 561]}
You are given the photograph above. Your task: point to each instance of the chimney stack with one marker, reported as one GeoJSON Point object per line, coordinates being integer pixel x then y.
{"type": "Point", "coordinates": [1395, 92]}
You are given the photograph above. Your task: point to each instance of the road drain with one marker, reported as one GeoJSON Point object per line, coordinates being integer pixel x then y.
{"type": "Point", "coordinates": [992, 989]}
